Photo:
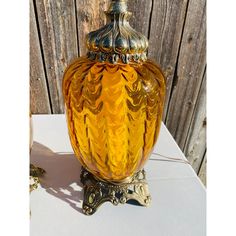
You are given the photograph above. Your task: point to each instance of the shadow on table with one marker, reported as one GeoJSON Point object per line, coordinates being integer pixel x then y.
{"type": "Point", "coordinates": [62, 177]}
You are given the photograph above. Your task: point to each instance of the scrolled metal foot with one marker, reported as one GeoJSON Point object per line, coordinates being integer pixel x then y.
{"type": "Point", "coordinates": [96, 192]}
{"type": "Point", "coordinates": [35, 173]}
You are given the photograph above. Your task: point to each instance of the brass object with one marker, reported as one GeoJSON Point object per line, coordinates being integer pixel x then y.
{"type": "Point", "coordinates": [117, 41]}
{"type": "Point", "coordinates": [34, 182]}
{"type": "Point", "coordinates": [114, 99]}
{"type": "Point", "coordinates": [35, 173]}
{"type": "Point", "coordinates": [96, 191]}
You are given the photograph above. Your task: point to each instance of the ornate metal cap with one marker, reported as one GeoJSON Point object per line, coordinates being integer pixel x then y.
{"type": "Point", "coordinates": [117, 41]}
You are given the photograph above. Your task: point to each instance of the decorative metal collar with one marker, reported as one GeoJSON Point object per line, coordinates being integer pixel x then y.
{"type": "Point", "coordinates": [117, 41]}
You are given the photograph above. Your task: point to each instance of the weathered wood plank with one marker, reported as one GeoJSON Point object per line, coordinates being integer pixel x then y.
{"type": "Point", "coordinates": [189, 72]}
{"type": "Point", "coordinates": [90, 16]}
{"type": "Point", "coordinates": [141, 14]}
{"type": "Point", "coordinates": [39, 99]}
{"type": "Point", "coordinates": [203, 171]}
{"type": "Point", "coordinates": [57, 24]}
{"type": "Point", "coordinates": [165, 35]}
{"type": "Point", "coordinates": [196, 140]}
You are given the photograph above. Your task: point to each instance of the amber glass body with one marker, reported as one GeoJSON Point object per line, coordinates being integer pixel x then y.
{"type": "Point", "coordinates": [114, 115]}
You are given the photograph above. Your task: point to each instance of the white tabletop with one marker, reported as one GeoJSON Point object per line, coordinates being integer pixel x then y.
{"type": "Point", "coordinates": [178, 206]}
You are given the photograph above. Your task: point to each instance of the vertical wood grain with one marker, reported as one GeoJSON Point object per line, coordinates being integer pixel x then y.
{"type": "Point", "coordinates": [189, 72]}
{"type": "Point", "coordinates": [141, 13]}
{"type": "Point", "coordinates": [57, 26]}
{"type": "Point", "coordinates": [202, 174]}
{"type": "Point", "coordinates": [196, 140]}
{"type": "Point", "coordinates": [90, 17]}
{"type": "Point", "coordinates": [165, 35]}
{"type": "Point", "coordinates": [39, 99]}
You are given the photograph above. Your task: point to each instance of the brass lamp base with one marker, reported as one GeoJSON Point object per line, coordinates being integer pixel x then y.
{"type": "Point", "coordinates": [96, 192]}
{"type": "Point", "coordinates": [35, 173]}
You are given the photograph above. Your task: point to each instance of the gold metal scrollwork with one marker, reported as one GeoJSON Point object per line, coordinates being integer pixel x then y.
{"type": "Point", "coordinates": [117, 41]}
{"type": "Point", "coordinates": [96, 192]}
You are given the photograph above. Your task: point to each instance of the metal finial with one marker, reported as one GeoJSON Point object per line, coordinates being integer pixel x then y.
{"type": "Point", "coordinates": [118, 6]}
{"type": "Point", "coordinates": [117, 41]}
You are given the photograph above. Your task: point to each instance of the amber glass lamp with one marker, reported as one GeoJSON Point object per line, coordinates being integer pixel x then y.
{"type": "Point", "coordinates": [114, 99]}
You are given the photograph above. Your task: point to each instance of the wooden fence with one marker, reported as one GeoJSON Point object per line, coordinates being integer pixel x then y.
{"type": "Point", "coordinates": [176, 30]}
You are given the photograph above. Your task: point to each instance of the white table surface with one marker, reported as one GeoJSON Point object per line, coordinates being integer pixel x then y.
{"type": "Point", "coordinates": [178, 206]}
